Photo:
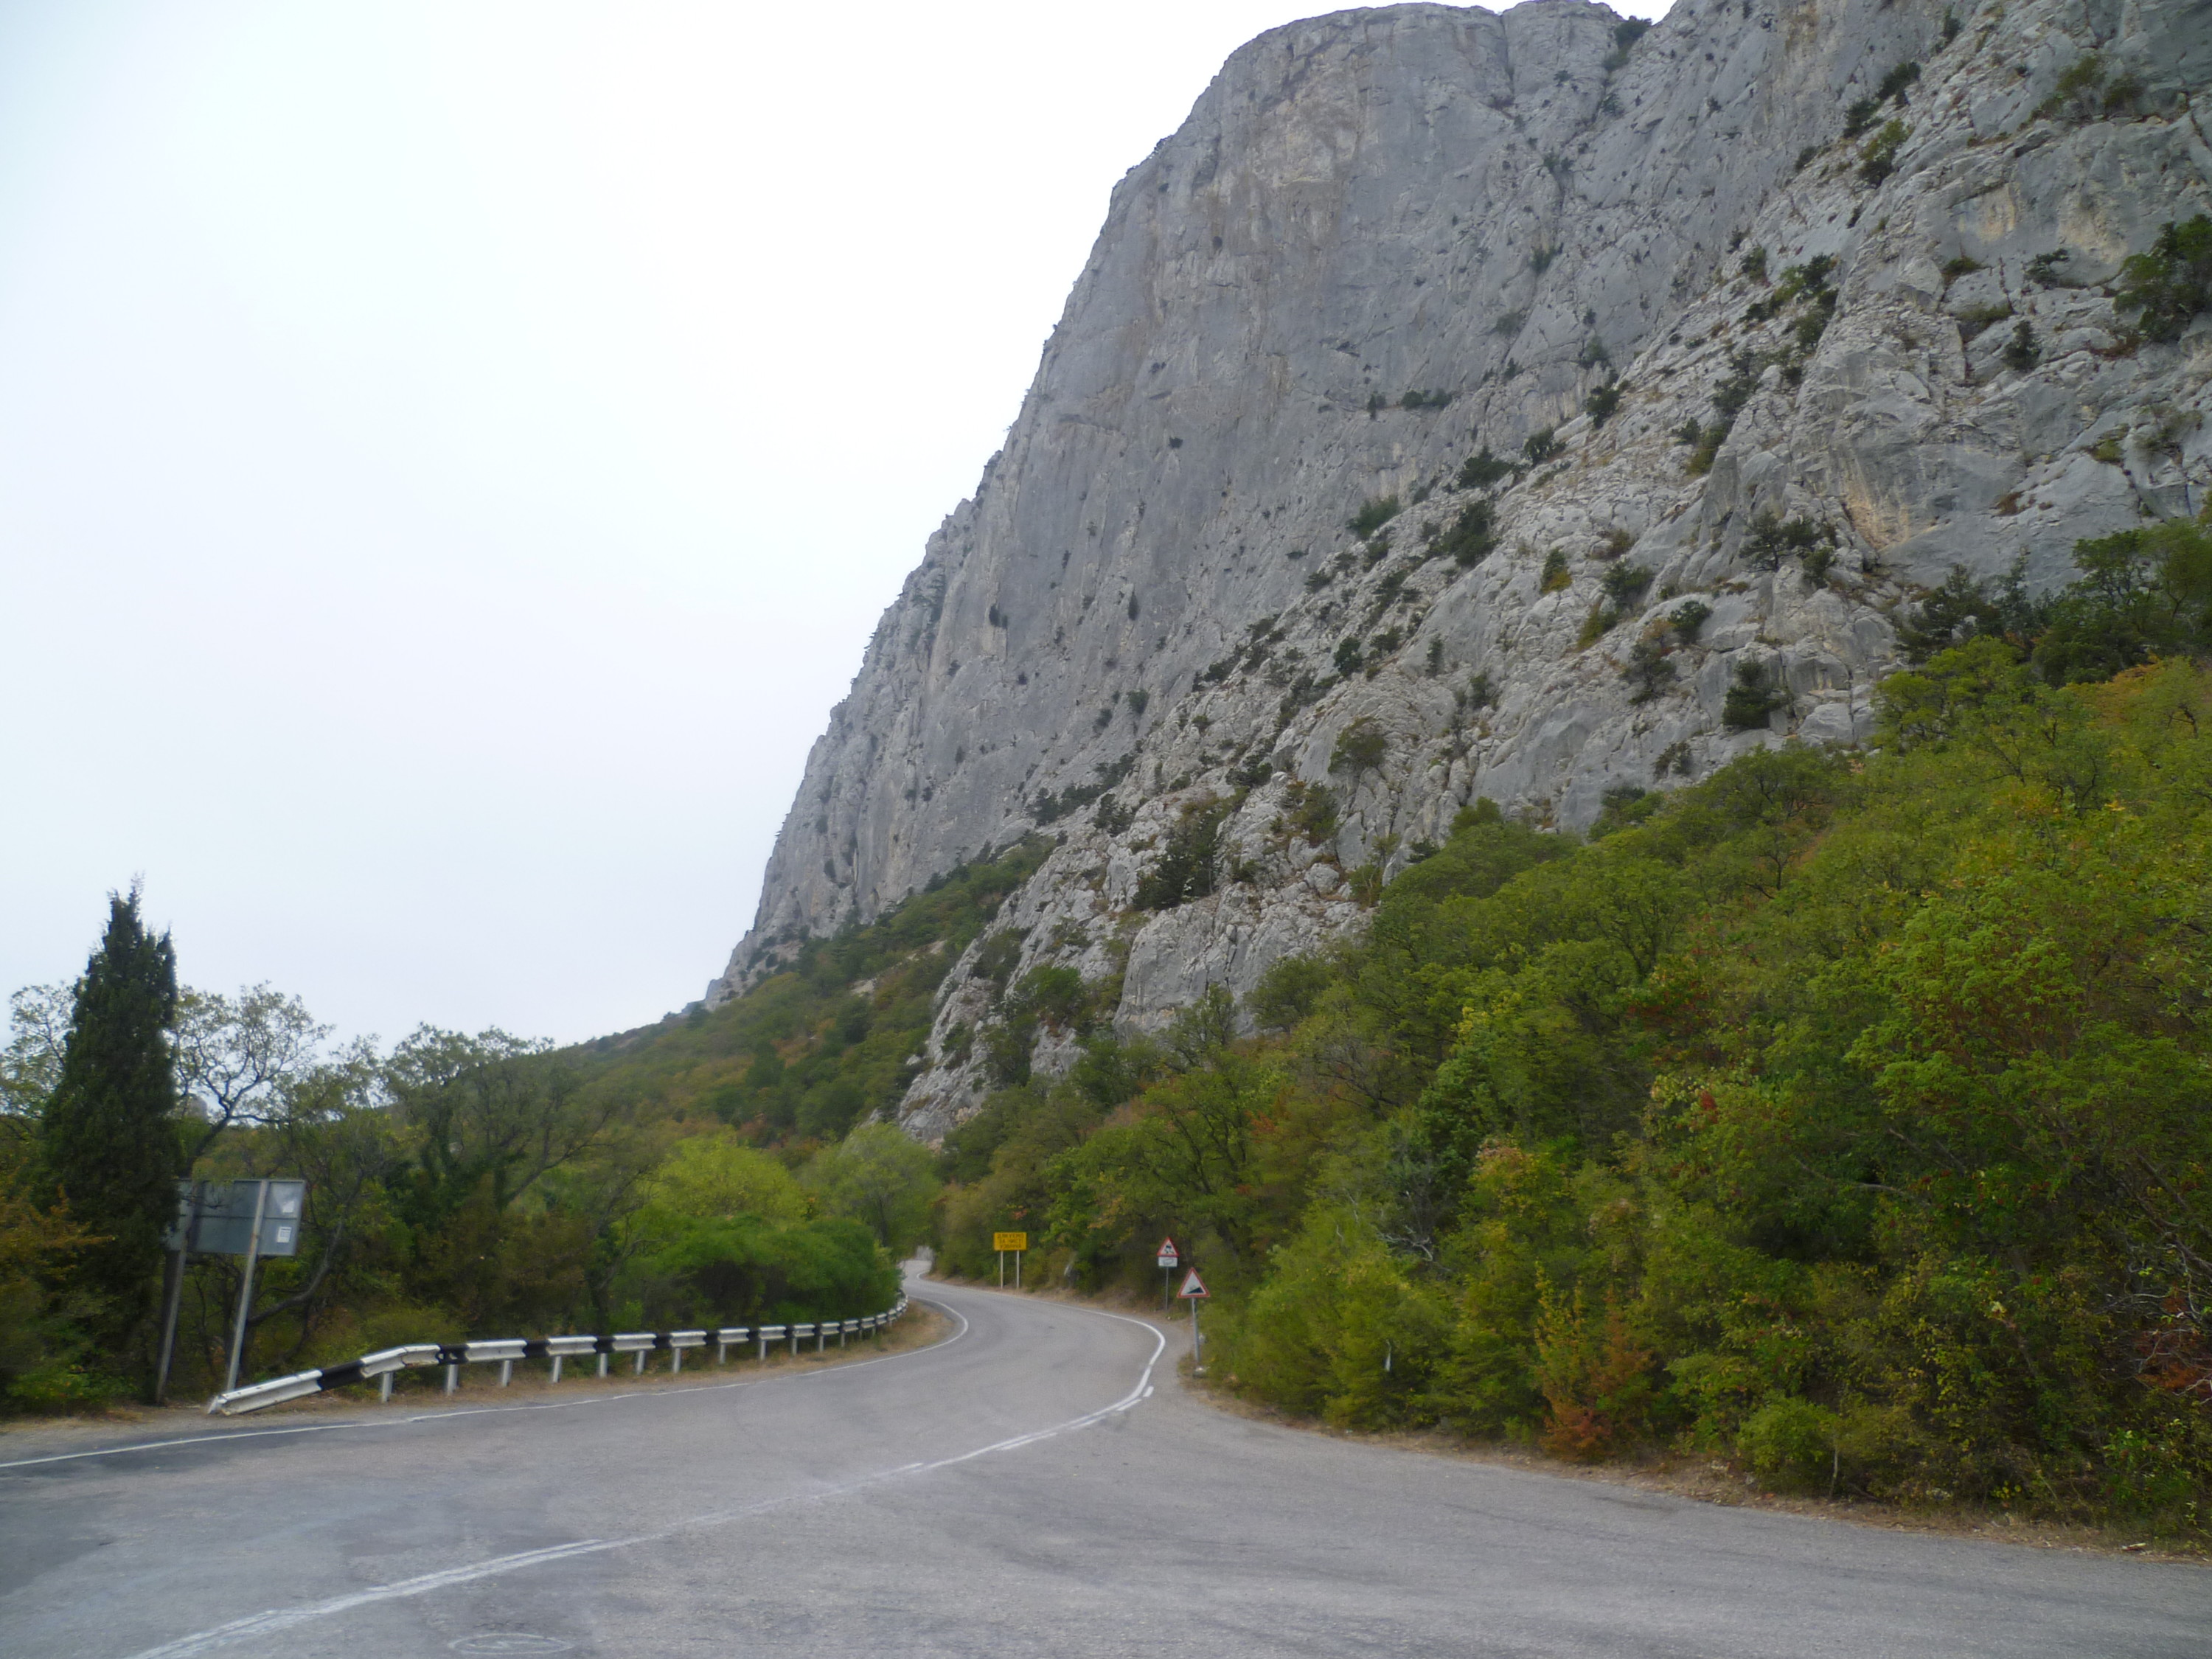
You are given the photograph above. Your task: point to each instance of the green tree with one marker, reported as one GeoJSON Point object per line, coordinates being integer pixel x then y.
{"type": "Point", "coordinates": [882, 1178]}
{"type": "Point", "coordinates": [107, 1139]}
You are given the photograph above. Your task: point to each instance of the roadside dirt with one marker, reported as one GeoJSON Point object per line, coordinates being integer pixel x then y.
{"type": "Point", "coordinates": [1698, 1478]}
{"type": "Point", "coordinates": [424, 1390]}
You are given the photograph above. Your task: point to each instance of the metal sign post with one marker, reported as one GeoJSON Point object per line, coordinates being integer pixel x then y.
{"type": "Point", "coordinates": [246, 1285]}
{"type": "Point", "coordinates": [1016, 1242]}
{"type": "Point", "coordinates": [252, 1219]}
{"type": "Point", "coordinates": [1193, 1291]}
{"type": "Point", "coordinates": [1169, 1259]}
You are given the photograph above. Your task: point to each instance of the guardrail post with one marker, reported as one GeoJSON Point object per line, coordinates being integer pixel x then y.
{"type": "Point", "coordinates": [453, 1378]}
{"type": "Point", "coordinates": [506, 1372]}
{"type": "Point", "coordinates": [675, 1360]}
{"type": "Point", "coordinates": [602, 1365]}
{"type": "Point", "coordinates": [638, 1370]}
{"type": "Point", "coordinates": [557, 1372]}
{"type": "Point", "coordinates": [384, 1387]}
{"type": "Point", "coordinates": [763, 1355]}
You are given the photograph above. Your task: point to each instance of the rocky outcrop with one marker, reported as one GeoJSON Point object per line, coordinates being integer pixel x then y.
{"type": "Point", "coordinates": [1387, 240]}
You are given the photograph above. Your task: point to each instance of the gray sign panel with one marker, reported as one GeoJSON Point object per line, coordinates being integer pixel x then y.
{"type": "Point", "coordinates": [216, 1217]}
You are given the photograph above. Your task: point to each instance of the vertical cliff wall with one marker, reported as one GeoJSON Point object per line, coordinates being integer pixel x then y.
{"type": "Point", "coordinates": [1386, 240]}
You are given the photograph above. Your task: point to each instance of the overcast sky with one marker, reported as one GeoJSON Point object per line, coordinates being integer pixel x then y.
{"type": "Point", "coordinates": [451, 456]}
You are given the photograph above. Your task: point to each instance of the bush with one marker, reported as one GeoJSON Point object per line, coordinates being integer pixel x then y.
{"type": "Point", "coordinates": [1471, 538]}
{"type": "Point", "coordinates": [1601, 403]}
{"type": "Point", "coordinates": [1770, 540]}
{"type": "Point", "coordinates": [1751, 701]}
{"type": "Point", "coordinates": [1188, 865]}
{"type": "Point", "coordinates": [2171, 284]}
{"type": "Point", "coordinates": [1359, 748]}
{"type": "Point", "coordinates": [1555, 575]}
{"type": "Point", "coordinates": [1879, 159]}
{"type": "Point", "coordinates": [1479, 471]}
{"type": "Point", "coordinates": [1374, 513]}
{"type": "Point", "coordinates": [1648, 671]}
{"type": "Point", "coordinates": [1625, 585]}
{"type": "Point", "coordinates": [1687, 618]}
{"type": "Point", "coordinates": [1309, 812]}
{"type": "Point", "coordinates": [1540, 447]}
{"type": "Point", "coordinates": [1790, 1445]}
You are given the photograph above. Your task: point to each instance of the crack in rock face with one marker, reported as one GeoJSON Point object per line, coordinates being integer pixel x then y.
{"type": "Point", "coordinates": [1421, 379]}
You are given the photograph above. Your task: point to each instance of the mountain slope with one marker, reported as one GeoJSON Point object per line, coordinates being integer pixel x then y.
{"type": "Point", "coordinates": [1387, 240]}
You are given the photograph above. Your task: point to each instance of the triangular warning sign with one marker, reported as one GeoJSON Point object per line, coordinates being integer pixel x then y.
{"type": "Point", "coordinates": [1193, 1285]}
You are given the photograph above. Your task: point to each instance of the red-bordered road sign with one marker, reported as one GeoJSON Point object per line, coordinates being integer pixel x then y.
{"type": "Point", "coordinates": [1168, 1256]}
{"type": "Point", "coordinates": [1193, 1285]}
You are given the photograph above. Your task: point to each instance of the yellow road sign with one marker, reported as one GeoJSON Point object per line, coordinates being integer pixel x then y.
{"type": "Point", "coordinates": [1010, 1241]}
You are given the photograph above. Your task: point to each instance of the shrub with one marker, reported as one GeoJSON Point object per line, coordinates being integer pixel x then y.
{"type": "Point", "coordinates": [2021, 352]}
{"type": "Point", "coordinates": [1555, 575]}
{"type": "Point", "coordinates": [1879, 159]}
{"type": "Point", "coordinates": [1347, 658]}
{"type": "Point", "coordinates": [1790, 1444]}
{"type": "Point", "coordinates": [1308, 812]}
{"type": "Point", "coordinates": [2080, 92]}
{"type": "Point", "coordinates": [1602, 403]}
{"type": "Point", "coordinates": [1424, 400]}
{"type": "Point", "coordinates": [1626, 35]}
{"type": "Point", "coordinates": [1594, 625]}
{"type": "Point", "coordinates": [2173, 282]}
{"type": "Point", "coordinates": [1626, 584]}
{"type": "Point", "coordinates": [1540, 447]}
{"type": "Point", "coordinates": [1374, 513]}
{"type": "Point", "coordinates": [1753, 263]}
{"type": "Point", "coordinates": [1359, 748]}
{"type": "Point", "coordinates": [1481, 471]}
{"type": "Point", "coordinates": [1650, 670]}
{"type": "Point", "coordinates": [1769, 538]}
{"type": "Point", "coordinates": [1687, 618]}
{"type": "Point", "coordinates": [1188, 867]}
{"type": "Point", "coordinates": [1470, 539]}
{"type": "Point", "coordinates": [1751, 700]}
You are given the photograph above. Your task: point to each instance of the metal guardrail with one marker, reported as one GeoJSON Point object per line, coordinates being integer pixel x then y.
{"type": "Point", "coordinates": [383, 1366]}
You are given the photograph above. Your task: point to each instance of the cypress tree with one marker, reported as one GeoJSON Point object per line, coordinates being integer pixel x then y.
{"type": "Point", "coordinates": [108, 1141]}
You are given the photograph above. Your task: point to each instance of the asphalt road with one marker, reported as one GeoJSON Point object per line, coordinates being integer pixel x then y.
{"type": "Point", "coordinates": [1037, 1484]}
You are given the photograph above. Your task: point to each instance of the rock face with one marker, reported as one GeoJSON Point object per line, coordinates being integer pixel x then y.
{"type": "Point", "coordinates": [1388, 239]}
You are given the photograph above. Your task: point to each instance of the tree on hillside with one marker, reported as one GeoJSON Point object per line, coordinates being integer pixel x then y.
{"type": "Point", "coordinates": [107, 1139]}
{"type": "Point", "coordinates": [882, 1178]}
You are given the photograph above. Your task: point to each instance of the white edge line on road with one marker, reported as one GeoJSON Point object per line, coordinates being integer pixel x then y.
{"type": "Point", "coordinates": [281, 1619]}
{"type": "Point", "coordinates": [486, 1411]}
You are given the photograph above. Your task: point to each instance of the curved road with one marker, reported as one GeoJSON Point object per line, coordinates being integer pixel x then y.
{"type": "Point", "coordinates": [1037, 1484]}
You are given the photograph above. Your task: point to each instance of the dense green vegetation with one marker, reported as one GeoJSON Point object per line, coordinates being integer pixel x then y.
{"type": "Point", "coordinates": [1842, 1114]}
{"type": "Point", "coordinates": [703, 1171]}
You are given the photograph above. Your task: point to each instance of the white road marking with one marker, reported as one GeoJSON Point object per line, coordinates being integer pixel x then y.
{"type": "Point", "coordinates": [282, 1619]}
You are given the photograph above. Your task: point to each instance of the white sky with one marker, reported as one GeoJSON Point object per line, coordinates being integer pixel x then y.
{"type": "Point", "coordinates": [452, 455]}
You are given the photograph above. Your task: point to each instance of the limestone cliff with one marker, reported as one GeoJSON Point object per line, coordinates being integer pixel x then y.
{"type": "Point", "coordinates": [1864, 246]}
